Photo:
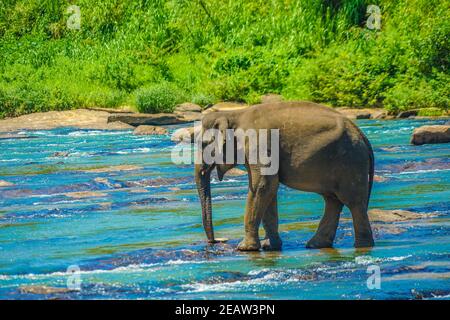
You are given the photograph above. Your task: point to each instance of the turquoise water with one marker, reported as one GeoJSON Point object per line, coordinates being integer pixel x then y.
{"type": "Point", "coordinates": [138, 234]}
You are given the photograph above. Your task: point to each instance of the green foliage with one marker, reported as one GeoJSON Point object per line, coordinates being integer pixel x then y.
{"type": "Point", "coordinates": [158, 98]}
{"type": "Point", "coordinates": [147, 52]}
{"type": "Point", "coordinates": [431, 112]}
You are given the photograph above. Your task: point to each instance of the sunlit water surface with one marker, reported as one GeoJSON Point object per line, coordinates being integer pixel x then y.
{"type": "Point", "coordinates": [138, 234]}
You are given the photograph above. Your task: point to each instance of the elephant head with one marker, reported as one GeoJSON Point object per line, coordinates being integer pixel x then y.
{"type": "Point", "coordinates": [220, 122]}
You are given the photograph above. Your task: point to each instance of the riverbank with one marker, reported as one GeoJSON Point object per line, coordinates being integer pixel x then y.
{"type": "Point", "coordinates": [124, 119]}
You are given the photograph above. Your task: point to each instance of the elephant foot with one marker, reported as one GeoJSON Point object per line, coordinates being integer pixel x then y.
{"type": "Point", "coordinates": [367, 243]}
{"type": "Point", "coordinates": [317, 243]}
{"type": "Point", "coordinates": [272, 244]}
{"type": "Point", "coordinates": [249, 245]}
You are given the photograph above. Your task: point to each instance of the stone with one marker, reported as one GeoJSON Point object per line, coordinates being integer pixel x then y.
{"type": "Point", "coordinates": [377, 178]}
{"type": "Point", "coordinates": [85, 194]}
{"type": "Point", "coordinates": [36, 289]}
{"type": "Point", "coordinates": [366, 113]}
{"type": "Point", "coordinates": [149, 130]}
{"type": "Point", "coordinates": [63, 154]}
{"type": "Point", "coordinates": [125, 167]}
{"type": "Point", "coordinates": [226, 106]}
{"type": "Point", "coordinates": [137, 119]}
{"type": "Point", "coordinates": [77, 118]}
{"type": "Point", "coordinates": [236, 172]}
{"type": "Point", "coordinates": [431, 134]}
{"type": "Point", "coordinates": [15, 136]}
{"type": "Point", "coordinates": [408, 113]}
{"type": "Point", "coordinates": [191, 116]}
{"type": "Point", "coordinates": [396, 215]}
{"type": "Point", "coordinates": [184, 134]}
{"type": "Point", "coordinates": [187, 107]}
{"type": "Point", "coordinates": [4, 183]}
{"type": "Point", "coordinates": [118, 125]}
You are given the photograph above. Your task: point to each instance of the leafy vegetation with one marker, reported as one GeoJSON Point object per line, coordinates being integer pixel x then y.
{"type": "Point", "coordinates": [152, 53]}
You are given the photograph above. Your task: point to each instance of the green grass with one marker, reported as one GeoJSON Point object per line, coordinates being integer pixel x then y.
{"type": "Point", "coordinates": [151, 54]}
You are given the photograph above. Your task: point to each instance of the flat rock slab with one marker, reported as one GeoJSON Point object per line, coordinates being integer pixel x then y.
{"type": "Point", "coordinates": [15, 136]}
{"type": "Point", "coordinates": [85, 194]}
{"type": "Point", "coordinates": [380, 215]}
{"type": "Point", "coordinates": [119, 168]}
{"type": "Point", "coordinates": [366, 113]}
{"type": "Point", "coordinates": [43, 290]}
{"type": "Point", "coordinates": [431, 134]}
{"type": "Point", "coordinates": [77, 118]}
{"type": "Point", "coordinates": [187, 107]}
{"type": "Point", "coordinates": [4, 183]}
{"type": "Point", "coordinates": [184, 135]}
{"type": "Point", "coordinates": [137, 119]}
{"type": "Point", "coordinates": [144, 130]}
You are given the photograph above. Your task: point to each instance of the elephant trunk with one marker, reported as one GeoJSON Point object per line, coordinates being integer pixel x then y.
{"type": "Point", "coordinates": [202, 179]}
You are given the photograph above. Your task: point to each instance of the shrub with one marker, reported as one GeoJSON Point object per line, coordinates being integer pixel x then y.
{"type": "Point", "coordinates": [158, 98]}
{"type": "Point", "coordinates": [203, 99]}
{"type": "Point", "coordinates": [430, 112]}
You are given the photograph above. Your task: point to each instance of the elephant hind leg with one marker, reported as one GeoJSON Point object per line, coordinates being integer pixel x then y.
{"type": "Point", "coordinates": [326, 231]}
{"type": "Point", "coordinates": [356, 201]}
{"type": "Point", "coordinates": [361, 226]}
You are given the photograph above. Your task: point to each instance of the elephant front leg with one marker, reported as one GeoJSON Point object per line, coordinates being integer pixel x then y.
{"type": "Point", "coordinates": [272, 240]}
{"type": "Point", "coordinates": [262, 189]}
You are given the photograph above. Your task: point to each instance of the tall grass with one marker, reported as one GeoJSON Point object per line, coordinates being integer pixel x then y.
{"type": "Point", "coordinates": [210, 50]}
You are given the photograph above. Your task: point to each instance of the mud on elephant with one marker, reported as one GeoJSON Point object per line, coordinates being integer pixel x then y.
{"type": "Point", "coordinates": [320, 151]}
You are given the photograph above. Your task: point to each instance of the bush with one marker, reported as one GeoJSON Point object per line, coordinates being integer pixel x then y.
{"type": "Point", "coordinates": [430, 112]}
{"type": "Point", "coordinates": [158, 98]}
{"type": "Point", "coordinates": [146, 52]}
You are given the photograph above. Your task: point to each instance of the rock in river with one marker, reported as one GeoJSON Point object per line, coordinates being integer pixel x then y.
{"type": "Point", "coordinates": [4, 183]}
{"type": "Point", "coordinates": [149, 130]}
{"type": "Point", "coordinates": [137, 119]}
{"type": "Point", "coordinates": [187, 107]}
{"type": "Point", "coordinates": [36, 289]}
{"type": "Point", "coordinates": [396, 215]}
{"type": "Point", "coordinates": [431, 134]}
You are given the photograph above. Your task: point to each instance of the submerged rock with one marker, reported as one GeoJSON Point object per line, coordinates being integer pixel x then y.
{"type": "Point", "coordinates": [36, 289]}
{"type": "Point", "coordinates": [236, 172]}
{"type": "Point", "coordinates": [149, 130]}
{"type": "Point", "coordinates": [4, 183]}
{"type": "Point", "coordinates": [184, 134]}
{"type": "Point", "coordinates": [85, 194]}
{"type": "Point", "coordinates": [431, 134]}
{"type": "Point", "coordinates": [396, 215]}
{"type": "Point", "coordinates": [61, 154]}
{"type": "Point", "coordinates": [125, 167]}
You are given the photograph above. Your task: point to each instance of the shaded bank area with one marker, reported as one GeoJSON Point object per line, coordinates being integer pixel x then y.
{"type": "Point", "coordinates": [113, 204]}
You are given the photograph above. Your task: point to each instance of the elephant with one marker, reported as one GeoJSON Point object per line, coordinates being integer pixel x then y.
{"type": "Point", "coordinates": [320, 151]}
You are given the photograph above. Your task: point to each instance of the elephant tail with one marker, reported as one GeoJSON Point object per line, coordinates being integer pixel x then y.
{"type": "Point", "coordinates": [371, 166]}
{"type": "Point", "coordinates": [371, 161]}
